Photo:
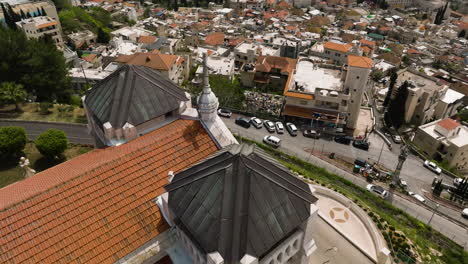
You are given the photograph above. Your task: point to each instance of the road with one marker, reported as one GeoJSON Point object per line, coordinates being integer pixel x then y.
{"type": "Point", "coordinates": [413, 172]}
{"type": "Point", "coordinates": [76, 133]}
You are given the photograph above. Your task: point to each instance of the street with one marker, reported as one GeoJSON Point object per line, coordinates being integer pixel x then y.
{"type": "Point", "coordinates": [413, 172]}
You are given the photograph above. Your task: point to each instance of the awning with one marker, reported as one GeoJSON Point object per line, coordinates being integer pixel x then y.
{"type": "Point", "coordinates": [297, 111]}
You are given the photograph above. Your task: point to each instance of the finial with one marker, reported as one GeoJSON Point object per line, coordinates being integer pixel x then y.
{"type": "Point", "coordinates": [206, 79]}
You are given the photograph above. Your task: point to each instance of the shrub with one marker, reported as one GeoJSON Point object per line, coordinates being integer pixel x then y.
{"type": "Point", "coordinates": [12, 141]}
{"type": "Point", "coordinates": [44, 107]}
{"type": "Point", "coordinates": [76, 101]}
{"type": "Point", "coordinates": [52, 143]}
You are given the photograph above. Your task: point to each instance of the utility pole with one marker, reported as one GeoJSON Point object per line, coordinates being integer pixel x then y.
{"type": "Point", "coordinates": [433, 213]}
{"type": "Point", "coordinates": [401, 160]}
{"type": "Point", "coordinates": [383, 143]}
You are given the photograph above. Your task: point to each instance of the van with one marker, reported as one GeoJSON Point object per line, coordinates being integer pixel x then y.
{"type": "Point", "coordinates": [272, 141]}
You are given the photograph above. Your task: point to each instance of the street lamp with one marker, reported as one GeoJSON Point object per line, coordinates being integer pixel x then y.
{"type": "Point", "coordinates": [433, 213]}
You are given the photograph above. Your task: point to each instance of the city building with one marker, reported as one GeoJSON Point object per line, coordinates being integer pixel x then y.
{"type": "Point", "coordinates": [424, 95]}
{"type": "Point", "coordinates": [327, 94]}
{"type": "Point", "coordinates": [85, 37]}
{"type": "Point", "coordinates": [444, 140]}
{"type": "Point", "coordinates": [40, 26]}
{"type": "Point", "coordinates": [171, 66]}
{"type": "Point", "coordinates": [33, 8]}
{"type": "Point", "coordinates": [246, 53]}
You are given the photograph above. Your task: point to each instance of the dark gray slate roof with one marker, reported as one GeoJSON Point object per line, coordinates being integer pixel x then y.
{"type": "Point", "coordinates": [240, 201]}
{"type": "Point", "coordinates": [135, 94]}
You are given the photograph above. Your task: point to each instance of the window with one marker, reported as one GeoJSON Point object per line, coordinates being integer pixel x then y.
{"type": "Point", "coordinates": [354, 90]}
{"type": "Point", "coordinates": [357, 77]}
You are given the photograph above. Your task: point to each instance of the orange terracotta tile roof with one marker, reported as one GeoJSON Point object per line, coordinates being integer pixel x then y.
{"type": "Point", "coordinates": [215, 39]}
{"type": "Point", "coordinates": [338, 47]}
{"type": "Point", "coordinates": [448, 124]}
{"type": "Point", "coordinates": [156, 60]}
{"type": "Point", "coordinates": [98, 207]}
{"type": "Point", "coordinates": [359, 61]}
{"type": "Point", "coordinates": [267, 63]}
{"type": "Point", "coordinates": [369, 43]}
{"type": "Point", "coordinates": [413, 51]}
{"type": "Point", "coordinates": [147, 39]}
{"type": "Point", "coordinates": [236, 41]}
{"type": "Point", "coordinates": [366, 49]}
{"type": "Point", "coordinates": [89, 57]}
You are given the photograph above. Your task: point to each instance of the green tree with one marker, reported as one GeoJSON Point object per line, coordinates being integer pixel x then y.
{"type": "Point", "coordinates": [36, 64]}
{"type": "Point", "coordinates": [377, 75]}
{"type": "Point", "coordinates": [463, 115]}
{"type": "Point", "coordinates": [12, 93]}
{"type": "Point", "coordinates": [103, 37]}
{"type": "Point", "coordinates": [52, 143]}
{"type": "Point", "coordinates": [9, 20]}
{"type": "Point", "coordinates": [395, 116]}
{"type": "Point", "coordinates": [12, 141]}
{"type": "Point", "coordinates": [393, 78]}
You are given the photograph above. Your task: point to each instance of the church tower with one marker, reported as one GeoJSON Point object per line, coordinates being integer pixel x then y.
{"type": "Point", "coordinates": [207, 101]}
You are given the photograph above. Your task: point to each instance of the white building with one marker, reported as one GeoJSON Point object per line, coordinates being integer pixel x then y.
{"type": "Point", "coordinates": [444, 140]}
{"type": "Point", "coordinates": [37, 27]}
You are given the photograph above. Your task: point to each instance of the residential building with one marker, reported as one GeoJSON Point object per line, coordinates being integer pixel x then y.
{"type": "Point", "coordinates": [337, 52]}
{"type": "Point", "coordinates": [400, 3]}
{"type": "Point", "coordinates": [444, 140]}
{"type": "Point", "coordinates": [327, 93]}
{"type": "Point", "coordinates": [40, 26]}
{"type": "Point", "coordinates": [78, 39]}
{"type": "Point", "coordinates": [217, 65]}
{"type": "Point", "coordinates": [425, 92]}
{"type": "Point", "coordinates": [449, 104]}
{"type": "Point", "coordinates": [171, 66]}
{"type": "Point", "coordinates": [246, 53]}
{"type": "Point", "coordinates": [33, 8]}
{"type": "Point", "coordinates": [269, 73]}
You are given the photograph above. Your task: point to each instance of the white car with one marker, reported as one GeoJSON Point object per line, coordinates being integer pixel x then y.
{"type": "Point", "coordinates": [224, 113]}
{"type": "Point", "coordinates": [457, 181]}
{"type": "Point", "coordinates": [432, 166]}
{"type": "Point", "coordinates": [279, 127]}
{"type": "Point", "coordinates": [396, 139]}
{"type": "Point", "coordinates": [378, 190]}
{"type": "Point", "coordinates": [417, 197]}
{"type": "Point", "coordinates": [272, 141]}
{"type": "Point", "coordinates": [465, 213]}
{"type": "Point", "coordinates": [256, 122]}
{"type": "Point", "coordinates": [269, 125]}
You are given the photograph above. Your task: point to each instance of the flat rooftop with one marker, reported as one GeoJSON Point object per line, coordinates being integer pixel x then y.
{"type": "Point", "coordinates": [419, 81]}
{"type": "Point", "coordinates": [458, 140]}
{"type": "Point", "coordinates": [310, 77]}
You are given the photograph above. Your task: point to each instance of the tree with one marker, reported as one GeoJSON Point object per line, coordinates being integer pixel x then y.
{"type": "Point", "coordinates": [463, 115]}
{"type": "Point", "coordinates": [9, 21]}
{"type": "Point", "coordinates": [12, 141]}
{"type": "Point", "coordinates": [13, 14]}
{"type": "Point", "coordinates": [395, 116]}
{"type": "Point", "coordinates": [12, 93]}
{"type": "Point", "coordinates": [52, 143]}
{"type": "Point", "coordinates": [22, 14]}
{"type": "Point", "coordinates": [377, 75]}
{"type": "Point", "coordinates": [36, 64]}
{"type": "Point", "coordinates": [393, 78]}
{"type": "Point", "coordinates": [43, 11]}
{"type": "Point", "coordinates": [103, 37]}
{"type": "Point", "coordinates": [462, 34]}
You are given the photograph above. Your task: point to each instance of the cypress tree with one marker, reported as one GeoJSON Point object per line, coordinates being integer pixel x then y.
{"type": "Point", "coordinates": [38, 12]}
{"type": "Point", "coordinates": [393, 78]}
{"type": "Point", "coordinates": [395, 115]}
{"type": "Point", "coordinates": [15, 17]}
{"type": "Point", "coordinates": [43, 11]}
{"type": "Point", "coordinates": [9, 21]}
{"type": "Point", "coordinates": [22, 14]}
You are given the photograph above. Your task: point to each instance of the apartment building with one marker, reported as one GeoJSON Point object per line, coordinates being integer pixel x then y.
{"type": "Point", "coordinates": [328, 94]}
{"type": "Point", "coordinates": [40, 26]}
{"type": "Point", "coordinates": [171, 66]}
{"type": "Point", "coordinates": [33, 8]}
{"type": "Point", "coordinates": [444, 140]}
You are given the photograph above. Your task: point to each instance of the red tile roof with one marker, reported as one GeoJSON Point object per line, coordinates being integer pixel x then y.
{"type": "Point", "coordinates": [448, 124]}
{"type": "Point", "coordinates": [98, 207]}
{"type": "Point", "coordinates": [338, 47]}
{"type": "Point", "coordinates": [215, 39]}
{"type": "Point", "coordinates": [154, 60]}
{"type": "Point", "coordinates": [359, 61]}
{"type": "Point", "coordinates": [147, 39]}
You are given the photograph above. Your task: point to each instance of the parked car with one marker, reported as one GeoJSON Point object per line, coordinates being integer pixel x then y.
{"type": "Point", "coordinates": [311, 134]}
{"type": "Point", "coordinates": [343, 139]}
{"type": "Point", "coordinates": [360, 162]}
{"type": "Point", "coordinates": [378, 190]}
{"type": "Point", "coordinates": [269, 125]}
{"type": "Point", "coordinates": [292, 129]}
{"type": "Point", "coordinates": [432, 166]}
{"type": "Point", "coordinates": [361, 144]}
{"type": "Point", "coordinates": [224, 113]}
{"type": "Point", "coordinates": [457, 181]}
{"type": "Point", "coordinates": [256, 122]}
{"type": "Point", "coordinates": [243, 122]}
{"type": "Point", "coordinates": [396, 139]}
{"type": "Point", "coordinates": [417, 197]}
{"type": "Point", "coordinates": [465, 213]}
{"type": "Point", "coordinates": [272, 141]}
{"type": "Point", "coordinates": [279, 127]}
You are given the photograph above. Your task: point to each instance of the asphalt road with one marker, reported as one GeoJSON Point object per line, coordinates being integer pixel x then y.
{"type": "Point", "coordinates": [413, 172]}
{"type": "Point", "coordinates": [76, 133]}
